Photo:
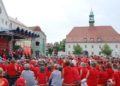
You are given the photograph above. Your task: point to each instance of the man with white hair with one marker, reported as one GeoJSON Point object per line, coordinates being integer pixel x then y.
{"type": "Point", "coordinates": [28, 75]}
{"type": "Point", "coordinates": [56, 77]}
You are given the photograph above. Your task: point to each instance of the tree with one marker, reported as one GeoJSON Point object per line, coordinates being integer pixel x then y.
{"type": "Point", "coordinates": [77, 49]}
{"type": "Point", "coordinates": [106, 50]}
{"type": "Point", "coordinates": [60, 45]}
{"type": "Point", "coordinates": [50, 50]}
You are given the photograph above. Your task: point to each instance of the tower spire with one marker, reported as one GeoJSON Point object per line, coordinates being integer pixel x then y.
{"type": "Point", "coordinates": [91, 18]}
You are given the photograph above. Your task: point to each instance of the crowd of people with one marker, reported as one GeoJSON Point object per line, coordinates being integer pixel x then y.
{"type": "Point", "coordinates": [67, 71]}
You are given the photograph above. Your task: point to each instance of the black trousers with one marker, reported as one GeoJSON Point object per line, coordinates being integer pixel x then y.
{"type": "Point", "coordinates": [12, 80]}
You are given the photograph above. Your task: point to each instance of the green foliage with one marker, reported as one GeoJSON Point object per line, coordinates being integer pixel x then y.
{"type": "Point", "coordinates": [77, 49]}
{"type": "Point", "coordinates": [50, 50]}
{"type": "Point", "coordinates": [16, 47]}
{"type": "Point", "coordinates": [106, 50]}
{"type": "Point", "coordinates": [60, 45]}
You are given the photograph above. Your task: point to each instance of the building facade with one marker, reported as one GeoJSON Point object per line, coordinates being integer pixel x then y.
{"type": "Point", "coordinates": [38, 44]}
{"type": "Point", "coordinates": [13, 32]}
{"type": "Point", "coordinates": [91, 38]}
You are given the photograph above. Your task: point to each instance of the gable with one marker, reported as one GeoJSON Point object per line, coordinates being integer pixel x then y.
{"type": "Point", "coordinates": [4, 20]}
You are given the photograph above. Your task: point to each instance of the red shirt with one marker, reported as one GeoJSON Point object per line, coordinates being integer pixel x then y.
{"type": "Point", "coordinates": [19, 68]}
{"type": "Point", "coordinates": [103, 76]}
{"type": "Point", "coordinates": [60, 62]}
{"type": "Point", "coordinates": [84, 72]}
{"type": "Point", "coordinates": [75, 72]}
{"type": "Point", "coordinates": [116, 78]}
{"type": "Point", "coordinates": [42, 78]}
{"type": "Point", "coordinates": [110, 72]}
{"type": "Point", "coordinates": [3, 82]}
{"type": "Point", "coordinates": [37, 69]}
{"type": "Point", "coordinates": [48, 73]}
{"type": "Point", "coordinates": [11, 70]}
{"type": "Point", "coordinates": [21, 82]}
{"type": "Point", "coordinates": [68, 75]}
{"type": "Point", "coordinates": [93, 77]}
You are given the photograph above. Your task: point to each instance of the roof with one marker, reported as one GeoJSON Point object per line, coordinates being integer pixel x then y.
{"type": "Point", "coordinates": [36, 29]}
{"type": "Point", "coordinates": [4, 8]}
{"type": "Point", "coordinates": [16, 21]}
{"type": "Point", "coordinates": [93, 34]}
{"type": "Point", "coordinates": [18, 33]}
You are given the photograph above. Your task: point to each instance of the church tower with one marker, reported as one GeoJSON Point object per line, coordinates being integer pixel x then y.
{"type": "Point", "coordinates": [91, 19]}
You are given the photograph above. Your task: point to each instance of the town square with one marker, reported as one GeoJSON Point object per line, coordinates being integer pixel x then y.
{"type": "Point", "coordinates": [59, 43]}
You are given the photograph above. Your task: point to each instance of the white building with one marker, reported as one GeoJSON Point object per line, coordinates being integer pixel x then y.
{"type": "Point", "coordinates": [4, 19]}
{"type": "Point", "coordinates": [91, 38]}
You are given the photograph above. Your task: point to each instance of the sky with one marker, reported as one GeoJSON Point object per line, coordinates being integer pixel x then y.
{"type": "Point", "coordinates": [58, 17]}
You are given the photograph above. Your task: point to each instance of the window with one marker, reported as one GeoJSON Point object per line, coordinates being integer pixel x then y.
{"type": "Point", "coordinates": [68, 46]}
{"type": "Point", "coordinates": [37, 43]}
{"type": "Point", "coordinates": [100, 46]}
{"type": "Point", "coordinates": [10, 25]}
{"type": "Point", "coordinates": [85, 46]}
{"type": "Point", "coordinates": [37, 53]}
{"type": "Point", "coordinates": [92, 39]}
{"type": "Point", "coordinates": [92, 46]}
{"type": "Point", "coordinates": [6, 22]}
{"type": "Point", "coordinates": [116, 46]}
{"type": "Point", "coordinates": [99, 53]}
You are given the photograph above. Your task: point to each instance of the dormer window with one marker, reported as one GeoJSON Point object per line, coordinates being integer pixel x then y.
{"type": "Point", "coordinates": [98, 39]}
{"type": "Point", "coordinates": [92, 39]}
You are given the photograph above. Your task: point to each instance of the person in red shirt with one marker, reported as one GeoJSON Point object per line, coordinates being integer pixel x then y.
{"type": "Point", "coordinates": [109, 70]}
{"type": "Point", "coordinates": [60, 61]}
{"type": "Point", "coordinates": [76, 76]}
{"type": "Point", "coordinates": [20, 82]}
{"type": "Point", "coordinates": [103, 76]}
{"type": "Point", "coordinates": [48, 72]}
{"type": "Point", "coordinates": [83, 71]}
{"type": "Point", "coordinates": [12, 72]}
{"type": "Point", "coordinates": [3, 81]}
{"type": "Point", "coordinates": [116, 76]}
{"type": "Point", "coordinates": [19, 68]}
{"type": "Point", "coordinates": [92, 75]}
{"type": "Point", "coordinates": [67, 74]}
{"type": "Point", "coordinates": [41, 77]}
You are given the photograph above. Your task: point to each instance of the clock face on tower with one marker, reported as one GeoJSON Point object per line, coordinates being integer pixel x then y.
{"type": "Point", "coordinates": [0, 10]}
